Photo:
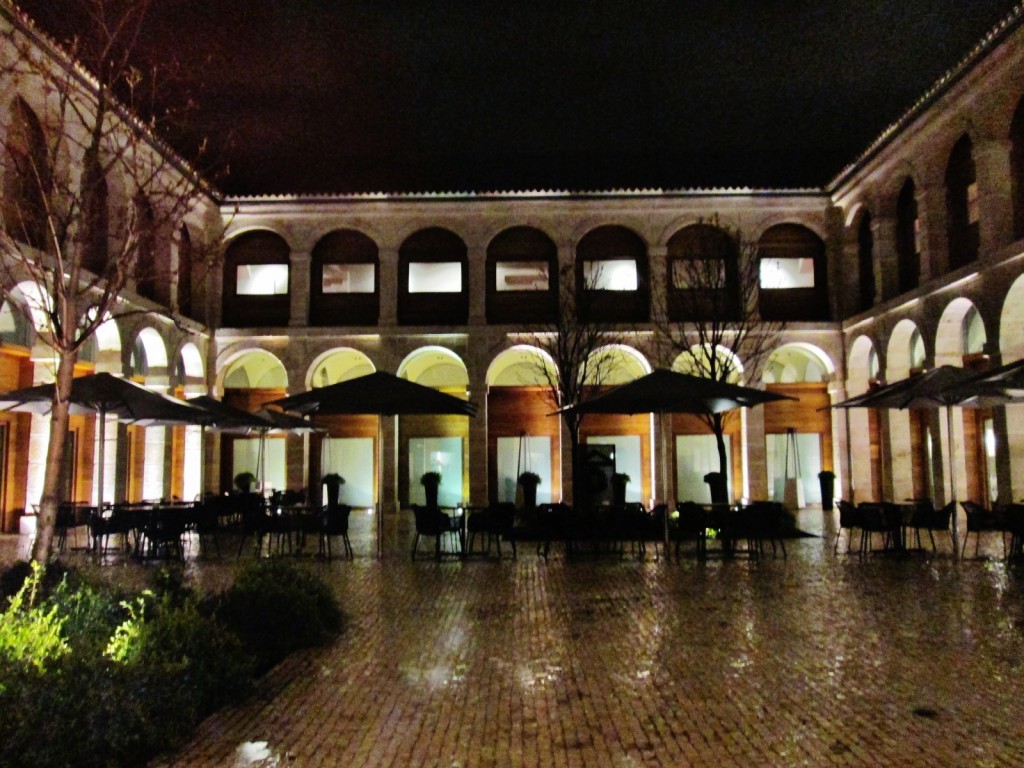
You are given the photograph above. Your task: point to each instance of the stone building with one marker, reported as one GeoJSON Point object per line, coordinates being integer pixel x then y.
{"type": "Point", "coordinates": [910, 258]}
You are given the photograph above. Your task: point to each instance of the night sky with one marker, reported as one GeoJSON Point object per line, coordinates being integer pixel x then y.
{"type": "Point", "coordinates": [313, 96]}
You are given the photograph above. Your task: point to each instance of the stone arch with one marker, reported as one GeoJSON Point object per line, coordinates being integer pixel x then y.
{"type": "Point", "coordinates": [957, 333]}
{"type": "Point", "coordinates": [256, 279]}
{"type": "Point", "coordinates": [612, 275]}
{"type": "Point", "coordinates": [28, 179]}
{"type": "Point", "coordinates": [434, 366]}
{"type": "Point", "coordinates": [903, 354]}
{"type": "Point", "coordinates": [1011, 322]}
{"type": "Point", "coordinates": [625, 364]}
{"type": "Point", "coordinates": [253, 368]}
{"type": "Point", "coordinates": [798, 362]}
{"type": "Point", "coordinates": [519, 366]}
{"type": "Point", "coordinates": [963, 204]}
{"type": "Point", "coordinates": [696, 362]}
{"type": "Point", "coordinates": [863, 365]}
{"type": "Point", "coordinates": [337, 365]}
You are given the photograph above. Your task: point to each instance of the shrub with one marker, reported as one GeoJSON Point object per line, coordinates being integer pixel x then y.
{"type": "Point", "coordinates": [32, 633]}
{"type": "Point", "coordinates": [276, 608]}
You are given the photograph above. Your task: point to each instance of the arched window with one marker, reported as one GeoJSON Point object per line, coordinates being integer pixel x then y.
{"type": "Point", "coordinates": [962, 205]}
{"type": "Point", "coordinates": [256, 281]}
{"type": "Point", "coordinates": [28, 179]}
{"type": "Point", "coordinates": [433, 279]}
{"type": "Point", "coordinates": [1017, 169]}
{"type": "Point", "coordinates": [344, 286]}
{"type": "Point", "coordinates": [793, 274]}
{"type": "Point", "coordinates": [522, 277]}
{"type": "Point", "coordinates": [703, 270]}
{"type": "Point", "coordinates": [612, 276]}
{"type": "Point", "coordinates": [152, 277]}
{"type": "Point", "coordinates": [865, 264]}
{"type": "Point", "coordinates": [908, 238]}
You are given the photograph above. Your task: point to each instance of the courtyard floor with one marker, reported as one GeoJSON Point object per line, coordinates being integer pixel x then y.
{"type": "Point", "coordinates": [813, 660]}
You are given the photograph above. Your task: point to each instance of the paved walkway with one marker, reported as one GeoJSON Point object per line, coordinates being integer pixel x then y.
{"type": "Point", "coordinates": [815, 660]}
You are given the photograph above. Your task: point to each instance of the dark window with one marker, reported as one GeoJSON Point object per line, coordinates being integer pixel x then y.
{"type": "Point", "coordinates": [185, 276]}
{"type": "Point", "coordinates": [433, 279]}
{"type": "Point", "coordinates": [908, 238]}
{"type": "Point", "coordinates": [703, 265]}
{"type": "Point", "coordinates": [344, 280]}
{"type": "Point", "coordinates": [612, 276]}
{"type": "Point", "coordinates": [27, 181]}
{"type": "Point", "coordinates": [865, 264]}
{"type": "Point", "coordinates": [522, 271]}
{"type": "Point", "coordinates": [962, 205]}
{"type": "Point", "coordinates": [256, 281]}
{"type": "Point", "coordinates": [1017, 169]}
{"type": "Point", "coordinates": [152, 276]}
{"type": "Point", "coordinates": [793, 274]}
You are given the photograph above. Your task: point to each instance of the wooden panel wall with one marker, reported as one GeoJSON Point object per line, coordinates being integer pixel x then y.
{"type": "Point", "coordinates": [517, 411]}
{"type": "Point", "coordinates": [15, 372]}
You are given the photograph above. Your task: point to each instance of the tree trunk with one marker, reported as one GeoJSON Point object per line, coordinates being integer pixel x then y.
{"type": "Point", "coordinates": [46, 521]}
{"type": "Point", "coordinates": [718, 426]}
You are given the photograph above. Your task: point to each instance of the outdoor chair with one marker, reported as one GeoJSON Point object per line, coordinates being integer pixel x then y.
{"type": "Point", "coordinates": [554, 523]}
{"type": "Point", "coordinates": [926, 518]}
{"type": "Point", "coordinates": [432, 522]}
{"type": "Point", "coordinates": [849, 518]}
{"type": "Point", "coordinates": [874, 518]}
{"type": "Point", "coordinates": [1015, 523]}
{"type": "Point", "coordinates": [204, 522]}
{"type": "Point", "coordinates": [981, 520]}
{"type": "Point", "coordinates": [334, 522]}
{"type": "Point", "coordinates": [691, 525]}
{"type": "Point", "coordinates": [164, 533]}
{"type": "Point", "coordinates": [758, 522]}
{"type": "Point", "coordinates": [493, 524]}
{"type": "Point", "coordinates": [654, 530]}
{"type": "Point", "coordinates": [70, 515]}
{"type": "Point", "coordinates": [115, 522]}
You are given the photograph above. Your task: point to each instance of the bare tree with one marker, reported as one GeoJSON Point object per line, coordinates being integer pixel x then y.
{"type": "Point", "coordinates": [576, 357]}
{"type": "Point", "coordinates": [91, 194]}
{"type": "Point", "coordinates": [706, 313]}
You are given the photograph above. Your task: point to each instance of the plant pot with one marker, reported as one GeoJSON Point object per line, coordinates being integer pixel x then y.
{"type": "Point", "coordinates": [827, 481]}
{"type": "Point", "coordinates": [431, 494]}
{"type": "Point", "coordinates": [529, 495]}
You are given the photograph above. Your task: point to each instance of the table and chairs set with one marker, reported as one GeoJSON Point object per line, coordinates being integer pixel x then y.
{"type": "Point", "coordinates": [620, 530]}
{"type": "Point", "coordinates": [900, 527]}
{"type": "Point", "coordinates": [280, 524]}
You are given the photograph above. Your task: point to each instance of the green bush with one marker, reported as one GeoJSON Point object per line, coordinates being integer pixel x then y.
{"type": "Point", "coordinates": [276, 608]}
{"type": "Point", "coordinates": [176, 662]}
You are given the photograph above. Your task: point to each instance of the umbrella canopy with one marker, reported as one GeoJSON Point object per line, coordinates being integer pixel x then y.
{"type": "Point", "coordinates": [111, 395]}
{"type": "Point", "coordinates": [665, 391]}
{"type": "Point", "coordinates": [228, 418]}
{"type": "Point", "coordinates": [376, 393]}
{"type": "Point", "coordinates": [286, 422]}
{"type": "Point", "coordinates": [1000, 386]}
{"type": "Point", "coordinates": [937, 388]}
{"type": "Point", "coordinates": [941, 387]}
{"type": "Point", "coordinates": [105, 394]}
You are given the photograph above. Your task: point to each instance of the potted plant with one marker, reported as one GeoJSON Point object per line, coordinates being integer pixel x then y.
{"type": "Point", "coordinates": [333, 482]}
{"type": "Point", "coordinates": [827, 482]}
{"type": "Point", "coordinates": [245, 482]}
{"type": "Point", "coordinates": [529, 482]}
{"type": "Point", "coordinates": [619, 482]}
{"type": "Point", "coordinates": [431, 481]}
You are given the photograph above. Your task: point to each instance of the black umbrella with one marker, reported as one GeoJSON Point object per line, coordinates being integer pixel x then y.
{"type": "Point", "coordinates": [1000, 386]}
{"type": "Point", "coordinates": [942, 387]}
{"type": "Point", "coordinates": [663, 391]}
{"type": "Point", "coordinates": [381, 394]}
{"type": "Point", "coordinates": [105, 394]}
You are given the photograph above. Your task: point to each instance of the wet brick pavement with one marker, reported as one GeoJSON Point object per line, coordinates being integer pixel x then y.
{"type": "Point", "coordinates": [815, 660]}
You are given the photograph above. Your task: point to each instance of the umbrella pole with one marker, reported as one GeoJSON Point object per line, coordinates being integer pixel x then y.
{"type": "Point", "coordinates": [380, 487]}
{"type": "Point", "coordinates": [666, 485]}
{"type": "Point", "coordinates": [952, 477]}
{"type": "Point", "coordinates": [102, 460]}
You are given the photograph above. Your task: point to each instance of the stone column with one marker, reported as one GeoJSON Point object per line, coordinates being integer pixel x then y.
{"type": "Point", "coordinates": [299, 288]}
{"type": "Point", "coordinates": [886, 259]}
{"type": "Point", "coordinates": [931, 209]}
{"type": "Point", "coordinates": [477, 268]}
{"type": "Point", "coordinates": [995, 194]}
{"type": "Point", "coordinates": [658, 281]}
{"type": "Point", "coordinates": [756, 447]}
{"type": "Point", "coordinates": [388, 287]}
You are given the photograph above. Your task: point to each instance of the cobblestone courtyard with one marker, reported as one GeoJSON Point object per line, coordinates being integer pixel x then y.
{"type": "Point", "coordinates": [812, 660]}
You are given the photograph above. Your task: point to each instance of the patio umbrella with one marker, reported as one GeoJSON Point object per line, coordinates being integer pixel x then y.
{"type": "Point", "coordinates": [1000, 386]}
{"type": "Point", "coordinates": [105, 394]}
{"type": "Point", "coordinates": [380, 394]}
{"type": "Point", "coordinates": [232, 420]}
{"type": "Point", "coordinates": [663, 391]}
{"type": "Point", "coordinates": [942, 387]}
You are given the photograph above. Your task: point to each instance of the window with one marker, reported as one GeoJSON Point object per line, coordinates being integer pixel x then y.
{"type": "Point", "coordinates": [780, 273]}
{"type": "Point", "coordinates": [348, 278]}
{"type": "Point", "coordinates": [521, 276]}
{"type": "Point", "coordinates": [435, 277]}
{"type": "Point", "coordinates": [698, 274]}
{"type": "Point", "coordinates": [973, 203]}
{"type": "Point", "coordinates": [961, 210]}
{"type": "Point", "coordinates": [610, 275]}
{"type": "Point", "coordinates": [908, 238]}
{"type": "Point", "coordinates": [262, 279]}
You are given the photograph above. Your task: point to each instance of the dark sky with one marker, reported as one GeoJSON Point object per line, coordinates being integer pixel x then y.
{"type": "Point", "coordinates": [375, 95]}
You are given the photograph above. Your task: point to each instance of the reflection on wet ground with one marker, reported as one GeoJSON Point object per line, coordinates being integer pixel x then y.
{"type": "Point", "coordinates": [812, 660]}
